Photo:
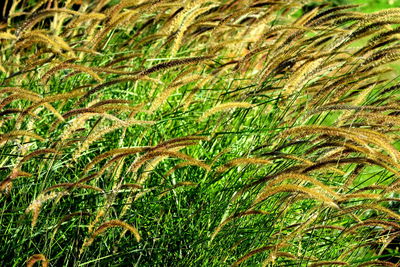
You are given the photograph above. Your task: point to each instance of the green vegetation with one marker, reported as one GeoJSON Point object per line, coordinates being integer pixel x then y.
{"type": "Point", "coordinates": [199, 133]}
{"type": "Point", "coordinates": [375, 5]}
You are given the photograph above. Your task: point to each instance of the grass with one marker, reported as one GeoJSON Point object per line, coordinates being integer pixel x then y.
{"type": "Point", "coordinates": [199, 133]}
{"type": "Point", "coordinates": [375, 5]}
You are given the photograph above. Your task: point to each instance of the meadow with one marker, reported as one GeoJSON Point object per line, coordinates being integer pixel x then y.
{"type": "Point", "coordinates": [199, 133]}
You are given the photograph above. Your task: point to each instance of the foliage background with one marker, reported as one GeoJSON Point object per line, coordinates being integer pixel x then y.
{"type": "Point", "coordinates": [233, 164]}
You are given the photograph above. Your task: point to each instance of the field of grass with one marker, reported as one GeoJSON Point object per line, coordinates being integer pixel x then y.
{"type": "Point", "coordinates": [200, 133]}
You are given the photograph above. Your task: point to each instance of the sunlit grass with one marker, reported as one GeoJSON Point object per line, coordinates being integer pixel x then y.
{"type": "Point", "coordinates": [199, 133]}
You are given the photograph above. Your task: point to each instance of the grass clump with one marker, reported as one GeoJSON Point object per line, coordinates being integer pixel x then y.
{"type": "Point", "coordinates": [215, 132]}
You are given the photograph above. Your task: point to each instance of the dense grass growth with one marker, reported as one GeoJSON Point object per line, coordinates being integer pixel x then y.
{"type": "Point", "coordinates": [193, 133]}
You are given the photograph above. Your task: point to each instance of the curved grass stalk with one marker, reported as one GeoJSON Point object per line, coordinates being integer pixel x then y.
{"type": "Point", "coordinates": [113, 223]}
{"type": "Point", "coordinates": [14, 134]}
{"type": "Point", "coordinates": [75, 67]}
{"type": "Point", "coordinates": [361, 136]}
{"type": "Point", "coordinates": [100, 133]}
{"type": "Point", "coordinates": [373, 222]}
{"type": "Point", "coordinates": [114, 152]}
{"type": "Point", "coordinates": [267, 192]}
{"type": "Point", "coordinates": [223, 107]}
{"type": "Point", "coordinates": [165, 153]}
{"type": "Point", "coordinates": [35, 258]}
{"type": "Point", "coordinates": [384, 210]}
{"type": "Point", "coordinates": [36, 205]}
